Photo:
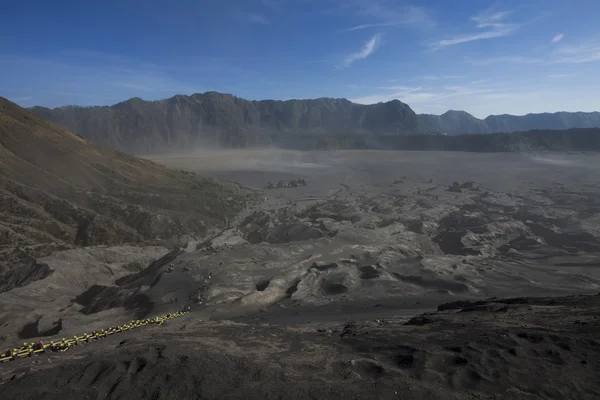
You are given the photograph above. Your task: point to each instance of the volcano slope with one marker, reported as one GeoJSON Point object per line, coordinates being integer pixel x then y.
{"type": "Point", "coordinates": [385, 277]}
{"type": "Point", "coordinates": [58, 191]}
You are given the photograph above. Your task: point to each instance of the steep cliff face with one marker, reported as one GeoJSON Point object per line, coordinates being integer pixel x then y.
{"type": "Point", "coordinates": [216, 119]}
{"type": "Point", "coordinates": [220, 119]}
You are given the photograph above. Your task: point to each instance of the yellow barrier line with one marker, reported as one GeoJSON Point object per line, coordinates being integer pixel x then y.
{"type": "Point", "coordinates": [64, 344]}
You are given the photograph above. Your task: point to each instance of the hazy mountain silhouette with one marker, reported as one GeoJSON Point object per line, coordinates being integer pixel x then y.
{"type": "Point", "coordinates": [203, 119]}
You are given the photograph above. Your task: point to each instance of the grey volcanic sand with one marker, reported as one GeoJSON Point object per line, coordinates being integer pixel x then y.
{"type": "Point", "coordinates": [376, 237]}
{"type": "Point", "coordinates": [327, 169]}
{"type": "Point", "coordinates": [551, 198]}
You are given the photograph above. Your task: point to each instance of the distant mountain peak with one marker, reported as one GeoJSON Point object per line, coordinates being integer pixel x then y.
{"type": "Point", "coordinates": [457, 112]}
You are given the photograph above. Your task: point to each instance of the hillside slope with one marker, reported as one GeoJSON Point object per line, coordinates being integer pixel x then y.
{"type": "Point", "coordinates": [208, 119]}
{"type": "Point", "coordinates": [58, 190]}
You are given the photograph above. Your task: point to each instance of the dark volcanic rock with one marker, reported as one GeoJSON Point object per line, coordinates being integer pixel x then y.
{"type": "Point", "coordinates": [455, 305]}
{"type": "Point", "coordinates": [24, 275]}
{"type": "Point", "coordinates": [33, 330]}
{"type": "Point", "coordinates": [419, 320]}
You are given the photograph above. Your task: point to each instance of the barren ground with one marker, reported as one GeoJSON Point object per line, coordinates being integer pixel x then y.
{"type": "Point", "coordinates": [308, 294]}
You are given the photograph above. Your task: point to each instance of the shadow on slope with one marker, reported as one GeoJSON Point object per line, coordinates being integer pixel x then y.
{"type": "Point", "coordinates": [129, 292]}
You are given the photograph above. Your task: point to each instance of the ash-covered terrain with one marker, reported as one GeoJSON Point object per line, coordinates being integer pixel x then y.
{"type": "Point", "coordinates": [401, 275]}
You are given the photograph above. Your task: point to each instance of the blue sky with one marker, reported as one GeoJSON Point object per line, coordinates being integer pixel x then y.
{"type": "Point", "coordinates": [484, 57]}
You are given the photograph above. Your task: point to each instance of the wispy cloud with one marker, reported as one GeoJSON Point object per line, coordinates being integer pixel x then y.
{"type": "Point", "coordinates": [504, 60]}
{"type": "Point", "coordinates": [478, 36]}
{"type": "Point", "coordinates": [368, 48]}
{"type": "Point", "coordinates": [388, 93]}
{"type": "Point", "coordinates": [379, 14]}
{"type": "Point", "coordinates": [20, 99]}
{"type": "Point", "coordinates": [489, 19]}
{"type": "Point", "coordinates": [365, 26]}
{"type": "Point", "coordinates": [417, 95]}
{"type": "Point", "coordinates": [134, 86]}
{"type": "Point", "coordinates": [491, 24]}
{"type": "Point", "coordinates": [440, 77]}
{"type": "Point", "coordinates": [400, 88]}
{"type": "Point", "coordinates": [558, 38]}
{"type": "Point", "coordinates": [561, 76]}
{"type": "Point", "coordinates": [479, 100]}
{"type": "Point", "coordinates": [583, 53]}
{"type": "Point", "coordinates": [257, 18]}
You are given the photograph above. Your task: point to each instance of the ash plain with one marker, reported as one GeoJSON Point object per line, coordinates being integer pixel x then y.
{"type": "Point", "coordinates": [391, 274]}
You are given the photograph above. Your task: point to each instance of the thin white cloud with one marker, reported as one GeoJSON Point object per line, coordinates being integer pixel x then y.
{"type": "Point", "coordinates": [477, 36]}
{"type": "Point", "coordinates": [532, 100]}
{"type": "Point", "coordinates": [490, 20]}
{"type": "Point", "coordinates": [429, 78]}
{"type": "Point", "coordinates": [561, 76]}
{"type": "Point", "coordinates": [402, 89]}
{"type": "Point", "coordinates": [504, 60]}
{"type": "Point", "coordinates": [365, 26]}
{"type": "Point", "coordinates": [380, 15]}
{"type": "Point", "coordinates": [440, 77]}
{"type": "Point", "coordinates": [20, 99]}
{"type": "Point", "coordinates": [493, 25]}
{"type": "Point", "coordinates": [583, 53]}
{"type": "Point", "coordinates": [558, 38]}
{"type": "Point", "coordinates": [257, 18]}
{"type": "Point", "coordinates": [420, 96]}
{"type": "Point", "coordinates": [368, 48]}
{"type": "Point", "coordinates": [404, 94]}
{"type": "Point", "coordinates": [135, 86]}
{"type": "Point", "coordinates": [518, 98]}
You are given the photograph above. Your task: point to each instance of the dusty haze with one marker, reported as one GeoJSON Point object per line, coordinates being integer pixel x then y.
{"type": "Point", "coordinates": [327, 169]}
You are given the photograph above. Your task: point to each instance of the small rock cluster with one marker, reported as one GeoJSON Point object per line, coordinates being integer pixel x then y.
{"type": "Point", "coordinates": [286, 184]}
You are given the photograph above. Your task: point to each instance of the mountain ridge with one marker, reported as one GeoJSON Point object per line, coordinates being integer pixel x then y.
{"type": "Point", "coordinates": [137, 98]}
{"type": "Point", "coordinates": [213, 118]}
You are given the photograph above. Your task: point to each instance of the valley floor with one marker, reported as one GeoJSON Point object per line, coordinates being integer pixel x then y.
{"type": "Point", "coordinates": [331, 290]}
